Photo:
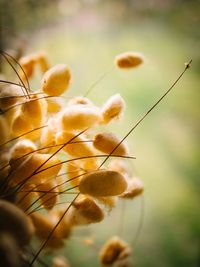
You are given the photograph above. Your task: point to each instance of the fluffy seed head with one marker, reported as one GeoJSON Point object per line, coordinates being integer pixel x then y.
{"type": "Point", "coordinates": [80, 100]}
{"type": "Point", "coordinates": [79, 117]}
{"type": "Point", "coordinates": [113, 108]}
{"type": "Point", "coordinates": [65, 225]}
{"type": "Point", "coordinates": [60, 262]}
{"type": "Point", "coordinates": [108, 202]}
{"type": "Point", "coordinates": [106, 142]}
{"type": "Point", "coordinates": [35, 109]}
{"type": "Point", "coordinates": [85, 211]}
{"type": "Point", "coordinates": [21, 148]}
{"type": "Point", "coordinates": [24, 197]}
{"type": "Point", "coordinates": [54, 105]}
{"type": "Point", "coordinates": [103, 183]}
{"type": "Point", "coordinates": [129, 60]}
{"type": "Point", "coordinates": [74, 172]}
{"type": "Point", "coordinates": [8, 93]}
{"type": "Point", "coordinates": [4, 161]}
{"type": "Point", "coordinates": [119, 165]}
{"type": "Point", "coordinates": [47, 193]}
{"type": "Point", "coordinates": [24, 168]}
{"type": "Point", "coordinates": [56, 80]}
{"type": "Point", "coordinates": [113, 250]}
{"type": "Point", "coordinates": [20, 124]}
{"type": "Point", "coordinates": [14, 221]}
{"type": "Point", "coordinates": [78, 147]}
{"type": "Point", "coordinates": [4, 130]}
{"type": "Point", "coordinates": [41, 59]}
{"type": "Point", "coordinates": [47, 137]}
{"type": "Point", "coordinates": [28, 64]}
{"type": "Point", "coordinates": [135, 188]}
{"type": "Point", "coordinates": [9, 250]}
{"type": "Point", "coordinates": [43, 226]}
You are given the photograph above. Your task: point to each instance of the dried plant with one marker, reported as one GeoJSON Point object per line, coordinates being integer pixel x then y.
{"type": "Point", "coordinates": [54, 158]}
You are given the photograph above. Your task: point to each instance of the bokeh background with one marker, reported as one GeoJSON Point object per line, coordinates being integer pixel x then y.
{"type": "Point", "coordinates": [87, 34]}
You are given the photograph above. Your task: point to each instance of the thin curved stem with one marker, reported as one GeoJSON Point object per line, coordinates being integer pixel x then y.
{"type": "Point", "coordinates": [187, 66]}
{"type": "Point", "coordinates": [5, 55]}
{"type": "Point", "coordinates": [51, 233]}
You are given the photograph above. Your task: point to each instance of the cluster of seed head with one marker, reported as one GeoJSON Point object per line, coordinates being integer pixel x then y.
{"type": "Point", "coordinates": [50, 148]}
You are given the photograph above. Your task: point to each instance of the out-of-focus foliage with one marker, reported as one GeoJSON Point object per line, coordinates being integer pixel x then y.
{"type": "Point", "coordinates": [84, 32]}
{"type": "Point", "coordinates": [19, 16]}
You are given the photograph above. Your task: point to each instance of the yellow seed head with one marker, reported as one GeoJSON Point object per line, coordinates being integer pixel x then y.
{"type": "Point", "coordinates": [14, 221]}
{"type": "Point", "coordinates": [20, 124]}
{"type": "Point", "coordinates": [135, 188]}
{"type": "Point", "coordinates": [103, 183]}
{"type": "Point", "coordinates": [119, 165]}
{"type": "Point", "coordinates": [80, 100]}
{"type": "Point", "coordinates": [129, 60]}
{"type": "Point", "coordinates": [28, 65]}
{"type": "Point", "coordinates": [56, 80]}
{"type": "Point", "coordinates": [41, 59]}
{"type": "Point", "coordinates": [4, 161]}
{"type": "Point", "coordinates": [73, 172]}
{"type": "Point", "coordinates": [4, 130]}
{"type": "Point", "coordinates": [113, 108]}
{"type": "Point", "coordinates": [60, 262]}
{"type": "Point", "coordinates": [78, 147]}
{"type": "Point", "coordinates": [49, 193]}
{"type": "Point", "coordinates": [47, 137]}
{"type": "Point", "coordinates": [79, 117]}
{"type": "Point", "coordinates": [85, 211]}
{"type": "Point", "coordinates": [54, 105]}
{"type": "Point", "coordinates": [114, 250]}
{"type": "Point", "coordinates": [9, 250]}
{"type": "Point", "coordinates": [35, 109]}
{"type": "Point", "coordinates": [21, 148]}
{"type": "Point", "coordinates": [43, 226]}
{"type": "Point", "coordinates": [25, 197]}
{"type": "Point", "coordinates": [25, 167]}
{"type": "Point", "coordinates": [108, 202]}
{"type": "Point", "coordinates": [7, 94]}
{"type": "Point", "coordinates": [65, 225]}
{"type": "Point", "coordinates": [106, 142]}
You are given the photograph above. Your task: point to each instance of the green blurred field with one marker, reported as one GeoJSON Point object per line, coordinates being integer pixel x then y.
{"type": "Point", "coordinates": [166, 144]}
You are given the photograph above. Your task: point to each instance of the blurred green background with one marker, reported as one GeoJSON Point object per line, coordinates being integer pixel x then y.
{"type": "Point", "coordinates": [87, 35]}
